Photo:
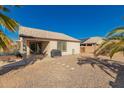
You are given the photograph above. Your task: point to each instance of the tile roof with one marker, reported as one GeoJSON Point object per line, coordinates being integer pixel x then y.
{"type": "Point", "coordinates": [38, 33]}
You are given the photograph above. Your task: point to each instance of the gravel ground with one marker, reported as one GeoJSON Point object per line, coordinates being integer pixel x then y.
{"type": "Point", "coordinates": [4, 60]}
{"type": "Point", "coordinates": [62, 72]}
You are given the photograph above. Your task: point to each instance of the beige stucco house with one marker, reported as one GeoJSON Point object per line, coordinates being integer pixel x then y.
{"type": "Point", "coordinates": [91, 44]}
{"type": "Point", "coordinates": [36, 41]}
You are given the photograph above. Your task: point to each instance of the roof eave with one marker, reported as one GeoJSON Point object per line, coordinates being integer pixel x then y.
{"type": "Point", "coordinates": [21, 35]}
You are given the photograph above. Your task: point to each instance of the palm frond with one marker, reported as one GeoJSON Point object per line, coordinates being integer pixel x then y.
{"type": "Point", "coordinates": [5, 42]}
{"type": "Point", "coordinates": [116, 31]}
{"type": "Point", "coordinates": [9, 23]}
{"type": "Point", "coordinates": [104, 48]}
{"type": "Point", "coordinates": [4, 9]}
{"type": "Point", "coordinates": [114, 43]}
{"type": "Point", "coordinates": [116, 37]}
{"type": "Point", "coordinates": [119, 46]}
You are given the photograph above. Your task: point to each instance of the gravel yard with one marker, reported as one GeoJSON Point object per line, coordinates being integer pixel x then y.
{"type": "Point", "coordinates": [4, 60]}
{"type": "Point", "coordinates": [62, 72]}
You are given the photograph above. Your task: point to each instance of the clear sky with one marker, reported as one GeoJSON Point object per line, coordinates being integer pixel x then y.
{"type": "Point", "coordinates": [76, 21]}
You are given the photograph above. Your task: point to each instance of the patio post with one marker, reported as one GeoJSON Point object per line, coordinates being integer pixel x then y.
{"type": "Point", "coordinates": [28, 49]}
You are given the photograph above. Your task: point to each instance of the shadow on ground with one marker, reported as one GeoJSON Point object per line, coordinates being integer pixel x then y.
{"type": "Point", "coordinates": [20, 64]}
{"type": "Point", "coordinates": [116, 67]}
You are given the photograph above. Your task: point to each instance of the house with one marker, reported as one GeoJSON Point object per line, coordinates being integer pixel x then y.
{"type": "Point", "coordinates": [89, 45]}
{"type": "Point", "coordinates": [36, 41]}
{"type": "Point", "coordinates": [83, 40]}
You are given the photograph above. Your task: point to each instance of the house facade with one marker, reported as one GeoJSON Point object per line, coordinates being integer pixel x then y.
{"type": "Point", "coordinates": [90, 44]}
{"type": "Point", "coordinates": [36, 41]}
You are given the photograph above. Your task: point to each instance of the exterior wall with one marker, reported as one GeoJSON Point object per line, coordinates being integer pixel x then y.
{"type": "Point", "coordinates": [88, 49]}
{"type": "Point", "coordinates": [52, 45]}
{"type": "Point", "coordinates": [47, 46]}
{"type": "Point", "coordinates": [72, 47]}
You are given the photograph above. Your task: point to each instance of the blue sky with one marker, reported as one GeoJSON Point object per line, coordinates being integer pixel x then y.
{"type": "Point", "coordinates": [76, 21]}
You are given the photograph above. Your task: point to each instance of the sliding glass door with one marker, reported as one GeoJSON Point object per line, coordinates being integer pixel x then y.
{"type": "Point", "coordinates": [35, 47]}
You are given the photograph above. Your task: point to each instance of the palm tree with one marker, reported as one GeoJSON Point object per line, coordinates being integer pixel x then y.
{"type": "Point", "coordinates": [10, 24]}
{"type": "Point", "coordinates": [113, 43]}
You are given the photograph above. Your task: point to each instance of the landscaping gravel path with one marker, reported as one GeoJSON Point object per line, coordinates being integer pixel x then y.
{"type": "Point", "coordinates": [62, 72]}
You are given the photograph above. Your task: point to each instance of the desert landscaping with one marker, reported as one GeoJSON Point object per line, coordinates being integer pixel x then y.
{"type": "Point", "coordinates": [61, 47]}
{"type": "Point", "coordinates": [62, 72]}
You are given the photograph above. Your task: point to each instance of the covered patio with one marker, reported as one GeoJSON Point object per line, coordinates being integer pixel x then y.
{"type": "Point", "coordinates": [34, 46]}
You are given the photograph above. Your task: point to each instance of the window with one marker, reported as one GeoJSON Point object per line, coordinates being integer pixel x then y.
{"type": "Point", "coordinates": [62, 45]}
{"type": "Point", "coordinates": [83, 45]}
{"type": "Point", "coordinates": [89, 44]}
